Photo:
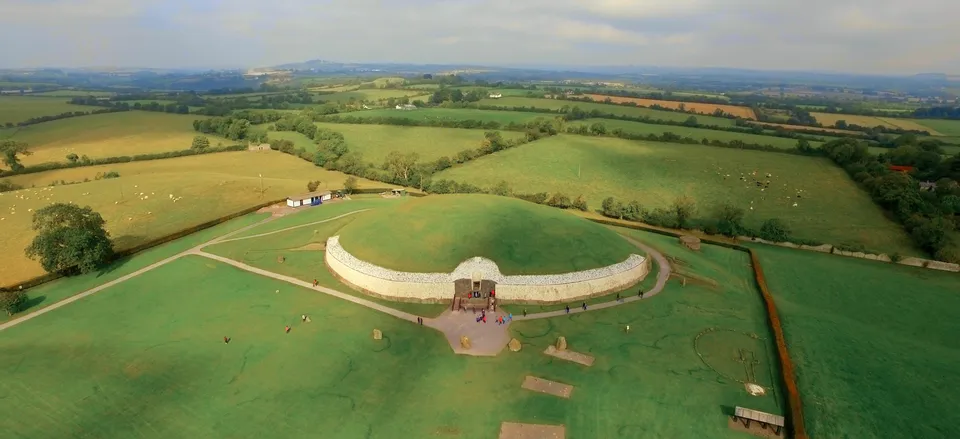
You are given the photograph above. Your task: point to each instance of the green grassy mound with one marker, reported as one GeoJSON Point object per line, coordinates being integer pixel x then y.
{"type": "Point", "coordinates": [437, 233]}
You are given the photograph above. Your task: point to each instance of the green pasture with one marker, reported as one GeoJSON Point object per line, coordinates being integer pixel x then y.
{"type": "Point", "coordinates": [146, 358]}
{"type": "Point", "coordinates": [299, 140]}
{"type": "Point", "coordinates": [507, 92]}
{"type": "Point", "coordinates": [138, 207]}
{"type": "Point", "coordinates": [109, 135]}
{"type": "Point", "coordinates": [620, 110]}
{"type": "Point", "coordinates": [696, 133]}
{"type": "Point", "coordinates": [943, 126]}
{"type": "Point", "coordinates": [376, 141]}
{"type": "Point", "coordinates": [872, 339]}
{"type": "Point", "coordinates": [436, 233]}
{"type": "Point", "coordinates": [831, 208]}
{"type": "Point", "coordinates": [374, 94]}
{"type": "Point", "coordinates": [74, 93]}
{"type": "Point", "coordinates": [453, 114]}
{"type": "Point", "coordinates": [14, 109]}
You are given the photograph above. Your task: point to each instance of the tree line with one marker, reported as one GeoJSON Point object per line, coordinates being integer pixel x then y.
{"type": "Point", "coordinates": [66, 115]}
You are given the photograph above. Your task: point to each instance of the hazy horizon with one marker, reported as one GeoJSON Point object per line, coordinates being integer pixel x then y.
{"type": "Point", "coordinates": [882, 37]}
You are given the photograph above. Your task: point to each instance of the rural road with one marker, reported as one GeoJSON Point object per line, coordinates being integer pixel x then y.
{"type": "Point", "coordinates": [488, 339]}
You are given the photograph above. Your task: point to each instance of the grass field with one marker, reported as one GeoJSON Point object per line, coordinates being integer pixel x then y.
{"type": "Point", "coordinates": [556, 104]}
{"type": "Point", "coordinates": [376, 141]}
{"type": "Point", "coordinates": [944, 127]}
{"type": "Point", "coordinates": [367, 95]}
{"type": "Point", "coordinates": [872, 339]}
{"type": "Point", "coordinates": [736, 110]}
{"type": "Point", "coordinates": [208, 186]}
{"type": "Point", "coordinates": [14, 109]}
{"type": "Point", "coordinates": [299, 140]}
{"type": "Point", "coordinates": [441, 231]}
{"type": "Point", "coordinates": [696, 133]}
{"type": "Point", "coordinates": [802, 127]}
{"type": "Point", "coordinates": [74, 93]}
{"type": "Point", "coordinates": [454, 114]}
{"type": "Point", "coordinates": [109, 135]}
{"type": "Point", "coordinates": [133, 361]}
{"type": "Point", "coordinates": [832, 209]}
{"type": "Point", "coordinates": [830, 119]}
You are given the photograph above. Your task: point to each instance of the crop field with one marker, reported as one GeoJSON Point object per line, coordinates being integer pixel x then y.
{"type": "Point", "coordinates": [696, 133]}
{"type": "Point", "coordinates": [136, 346]}
{"type": "Point", "coordinates": [376, 141]}
{"type": "Point", "coordinates": [830, 207]}
{"type": "Point", "coordinates": [701, 108]}
{"type": "Point", "coordinates": [830, 119]}
{"type": "Point", "coordinates": [869, 338]}
{"type": "Point", "coordinates": [508, 92]}
{"type": "Point", "coordinates": [109, 135]}
{"type": "Point", "coordinates": [14, 109]}
{"type": "Point", "coordinates": [944, 127]}
{"type": "Point", "coordinates": [367, 95]}
{"type": "Point", "coordinates": [620, 110]}
{"type": "Point", "coordinates": [802, 127]}
{"type": "Point", "coordinates": [453, 114]}
{"type": "Point", "coordinates": [138, 206]}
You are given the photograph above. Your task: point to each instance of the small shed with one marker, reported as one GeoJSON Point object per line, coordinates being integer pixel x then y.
{"type": "Point", "coordinates": [309, 199]}
{"type": "Point", "coordinates": [690, 242]}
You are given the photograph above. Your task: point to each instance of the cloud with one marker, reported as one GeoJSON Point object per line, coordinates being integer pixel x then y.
{"type": "Point", "coordinates": [873, 36]}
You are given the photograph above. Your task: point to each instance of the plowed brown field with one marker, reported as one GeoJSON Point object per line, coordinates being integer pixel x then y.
{"type": "Point", "coordinates": [701, 108]}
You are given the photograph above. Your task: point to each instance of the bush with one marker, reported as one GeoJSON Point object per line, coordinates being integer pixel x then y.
{"type": "Point", "coordinates": [559, 200]}
{"type": "Point", "coordinates": [6, 186]}
{"type": "Point", "coordinates": [13, 301]}
{"type": "Point", "coordinates": [774, 230]}
{"type": "Point", "coordinates": [313, 185]}
{"type": "Point", "coordinates": [580, 203]}
{"type": "Point", "coordinates": [539, 198]}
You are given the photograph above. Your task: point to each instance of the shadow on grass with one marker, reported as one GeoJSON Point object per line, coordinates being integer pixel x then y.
{"type": "Point", "coordinates": [727, 410]}
{"type": "Point", "coordinates": [123, 242]}
{"type": "Point", "coordinates": [32, 302]}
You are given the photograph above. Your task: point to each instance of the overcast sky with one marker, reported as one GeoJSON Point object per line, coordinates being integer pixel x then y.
{"type": "Point", "coordinates": [868, 36]}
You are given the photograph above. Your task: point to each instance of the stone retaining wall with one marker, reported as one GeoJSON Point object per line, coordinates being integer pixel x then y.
{"type": "Point", "coordinates": [827, 248]}
{"type": "Point", "coordinates": [434, 287]}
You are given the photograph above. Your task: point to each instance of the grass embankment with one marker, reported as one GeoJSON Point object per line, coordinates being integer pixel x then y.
{"type": "Point", "coordinates": [435, 234]}
{"type": "Point", "coordinates": [830, 209]}
{"type": "Point", "coordinates": [147, 358]}
{"type": "Point", "coordinates": [873, 339]}
{"type": "Point", "coordinates": [110, 135]}
{"type": "Point", "coordinates": [376, 141]}
{"type": "Point", "coordinates": [137, 206]}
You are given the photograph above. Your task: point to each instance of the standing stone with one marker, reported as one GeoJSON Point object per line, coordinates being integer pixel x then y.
{"type": "Point", "coordinates": [377, 335]}
{"type": "Point", "coordinates": [514, 345]}
{"type": "Point", "coordinates": [464, 342]}
{"type": "Point", "coordinates": [562, 343]}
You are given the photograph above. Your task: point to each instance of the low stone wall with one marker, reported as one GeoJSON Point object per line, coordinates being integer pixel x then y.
{"type": "Point", "coordinates": [433, 287]}
{"type": "Point", "coordinates": [827, 248]}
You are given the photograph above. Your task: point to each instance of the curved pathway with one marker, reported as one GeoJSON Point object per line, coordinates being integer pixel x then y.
{"type": "Point", "coordinates": [487, 339]}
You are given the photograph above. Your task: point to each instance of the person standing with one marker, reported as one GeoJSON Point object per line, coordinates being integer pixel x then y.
{"type": "Point", "coordinates": [568, 309]}
{"type": "Point", "coordinates": [524, 312]}
{"type": "Point", "coordinates": [226, 339]}
{"type": "Point", "coordinates": [286, 329]}
{"type": "Point", "coordinates": [584, 306]}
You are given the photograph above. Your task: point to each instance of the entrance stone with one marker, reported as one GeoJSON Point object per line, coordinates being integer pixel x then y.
{"type": "Point", "coordinates": [561, 343]}
{"type": "Point", "coordinates": [514, 345]}
{"type": "Point", "coordinates": [465, 342]}
{"type": "Point", "coordinates": [377, 335]}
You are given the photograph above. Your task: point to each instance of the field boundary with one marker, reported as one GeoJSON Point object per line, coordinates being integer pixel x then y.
{"type": "Point", "coordinates": [787, 373]}
{"type": "Point", "coordinates": [52, 166]}
{"type": "Point", "coordinates": [39, 280]}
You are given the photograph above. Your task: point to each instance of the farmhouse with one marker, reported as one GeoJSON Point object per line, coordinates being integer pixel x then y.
{"type": "Point", "coordinates": [406, 107]}
{"type": "Point", "coordinates": [496, 95]}
{"type": "Point", "coordinates": [309, 199]}
{"type": "Point", "coordinates": [897, 168]}
{"type": "Point", "coordinates": [928, 185]}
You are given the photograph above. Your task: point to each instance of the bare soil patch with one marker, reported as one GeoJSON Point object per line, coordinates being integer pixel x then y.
{"type": "Point", "coordinates": [755, 429]}
{"type": "Point", "coordinates": [546, 386]}
{"type": "Point", "coordinates": [575, 357]}
{"type": "Point", "coordinates": [279, 209]}
{"type": "Point", "coordinates": [706, 109]}
{"type": "Point", "coordinates": [515, 430]}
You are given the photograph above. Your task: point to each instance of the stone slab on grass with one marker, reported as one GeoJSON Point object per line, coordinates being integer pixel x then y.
{"type": "Point", "coordinates": [575, 357]}
{"type": "Point", "coordinates": [515, 430]}
{"type": "Point", "coordinates": [546, 386]}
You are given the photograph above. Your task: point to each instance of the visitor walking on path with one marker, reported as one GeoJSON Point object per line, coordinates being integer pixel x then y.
{"type": "Point", "coordinates": [315, 283]}
{"type": "Point", "coordinates": [640, 293]}
{"type": "Point", "coordinates": [568, 309]}
{"type": "Point", "coordinates": [510, 317]}
{"type": "Point", "coordinates": [524, 312]}
{"type": "Point", "coordinates": [618, 297]}
{"type": "Point", "coordinates": [584, 306]}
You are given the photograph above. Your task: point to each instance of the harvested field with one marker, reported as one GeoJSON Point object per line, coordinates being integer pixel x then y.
{"type": "Point", "coordinates": [513, 430]}
{"type": "Point", "coordinates": [802, 127]}
{"type": "Point", "coordinates": [708, 109]}
{"type": "Point", "coordinates": [546, 386]}
{"type": "Point", "coordinates": [568, 355]}
{"type": "Point", "coordinates": [908, 124]}
{"type": "Point", "coordinates": [830, 119]}
{"type": "Point", "coordinates": [619, 110]}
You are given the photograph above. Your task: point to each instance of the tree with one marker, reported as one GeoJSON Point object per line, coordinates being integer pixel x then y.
{"type": "Point", "coordinates": [612, 208]}
{"type": "Point", "coordinates": [313, 185]}
{"type": "Point", "coordinates": [730, 220]}
{"type": "Point", "coordinates": [12, 301]}
{"type": "Point", "coordinates": [684, 208]}
{"type": "Point", "coordinates": [691, 121]}
{"type": "Point", "coordinates": [580, 204]}
{"type": "Point", "coordinates": [69, 239]}
{"type": "Point", "coordinates": [775, 230]}
{"type": "Point", "coordinates": [502, 189]}
{"type": "Point", "coordinates": [350, 184]}
{"type": "Point", "coordinates": [10, 149]}
{"type": "Point", "coordinates": [559, 200]}
{"type": "Point", "coordinates": [401, 164]}
{"type": "Point", "coordinates": [73, 158]}
{"type": "Point", "coordinates": [598, 129]}
{"type": "Point", "coordinates": [200, 143]}
{"type": "Point", "coordinates": [841, 124]}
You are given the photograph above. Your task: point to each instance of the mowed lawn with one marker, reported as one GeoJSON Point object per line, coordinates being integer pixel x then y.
{"type": "Point", "coordinates": [620, 110]}
{"type": "Point", "coordinates": [146, 358]}
{"type": "Point", "coordinates": [137, 206]}
{"type": "Point", "coordinates": [696, 133]}
{"type": "Point", "coordinates": [831, 208]}
{"type": "Point", "coordinates": [453, 114]}
{"type": "Point", "coordinates": [376, 141]}
{"type": "Point", "coordinates": [872, 339]}
{"type": "Point", "coordinates": [110, 135]}
{"type": "Point", "coordinates": [14, 109]}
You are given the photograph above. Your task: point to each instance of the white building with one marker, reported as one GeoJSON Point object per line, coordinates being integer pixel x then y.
{"type": "Point", "coordinates": [309, 199]}
{"type": "Point", "coordinates": [496, 95]}
{"type": "Point", "coordinates": [406, 107]}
